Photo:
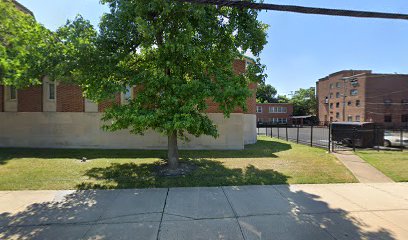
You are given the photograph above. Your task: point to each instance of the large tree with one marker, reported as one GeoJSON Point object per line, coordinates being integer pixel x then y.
{"type": "Point", "coordinates": [266, 93]}
{"type": "Point", "coordinates": [26, 47]}
{"type": "Point", "coordinates": [304, 102]}
{"type": "Point", "coordinates": [178, 55]}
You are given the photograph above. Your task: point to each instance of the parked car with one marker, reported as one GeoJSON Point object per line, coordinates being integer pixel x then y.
{"type": "Point", "coordinates": [394, 140]}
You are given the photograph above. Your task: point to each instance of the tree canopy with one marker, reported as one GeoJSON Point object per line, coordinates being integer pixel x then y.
{"type": "Point", "coordinates": [266, 93]}
{"type": "Point", "coordinates": [26, 47]}
{"type": "Point", "coordinates": [178, 55]}
{"type": "Point", "coordinates": [304, 102]}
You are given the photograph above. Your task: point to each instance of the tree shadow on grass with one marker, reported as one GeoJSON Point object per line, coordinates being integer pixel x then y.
{"type": "Point", "coordinates": [206, 173]}
{"type": "Point", "coordinates": [261, 149]}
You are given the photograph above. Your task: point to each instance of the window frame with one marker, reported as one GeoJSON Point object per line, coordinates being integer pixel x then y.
{"type": "Point", "coordinates": [353, 92]}
{"type": "Point", "coordinates": [12, 92]}
{"type": "Point", "coordinates": [49, 91]}
{"type": "Point", "coordinates": [257, 108]}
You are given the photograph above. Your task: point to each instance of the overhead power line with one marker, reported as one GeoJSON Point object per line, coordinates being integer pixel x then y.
{"type": "Point", "coordinates": [301, 9]}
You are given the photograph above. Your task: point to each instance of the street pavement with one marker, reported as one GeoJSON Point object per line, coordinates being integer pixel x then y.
{"type": "Point", "coordinates": [328, 211]}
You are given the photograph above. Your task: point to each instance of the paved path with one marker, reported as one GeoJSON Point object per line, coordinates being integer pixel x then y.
{"type": "Point", "coordinates": [336, 211]}
{"type": "Point", "coordinates": [362, 170]}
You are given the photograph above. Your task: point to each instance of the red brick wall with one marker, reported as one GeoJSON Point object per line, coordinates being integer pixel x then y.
{"type": "Point", "coordinates": [69, 98]}
{"type": "Point", "coordinates": [1, 98]}
{"type": "Point", "coordinates": [108, 103]}
{"type": "Point", "coordinates": [266, 116]}
{"type": "Point", "coordinates": [386, 87]}
{"type": "Point", "coordinates": [30, 99]}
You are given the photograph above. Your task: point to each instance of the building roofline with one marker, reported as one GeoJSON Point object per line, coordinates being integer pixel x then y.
{"type": "Point", "coordinates": [343, 71]}
{"type": "Point", "coordinates": [24, 8]}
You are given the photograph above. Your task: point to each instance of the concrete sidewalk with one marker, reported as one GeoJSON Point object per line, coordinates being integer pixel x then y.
{"type": "Point", "coordinates": [332, 211]}
{"type": "Point", "coordinates": [362, 170]}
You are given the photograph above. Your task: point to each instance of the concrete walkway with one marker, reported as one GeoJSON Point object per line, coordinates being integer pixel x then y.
{"type": "Point", "coordinates": [335, 211]}
{"type": "Point", "coordinates": [363, 171]}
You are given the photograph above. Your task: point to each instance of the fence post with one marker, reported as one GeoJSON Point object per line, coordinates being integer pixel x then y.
{"type": "Point", "coordinates": [376, 141]}
{"type": "Point", "coordinates": [354, 138]}
{"type": "Point", "coordinates": [287, 139]}
{"type": "Point", "coordinates": [402, 139]}
{"type": "Point", "coordinates": [329, 139]}
{"type": "Point", "coordinates": [311, 135]}
{"type": "Point", "coordinates": [297, 135]}
{"type": "Point", "coordinates": [278, 132]}
{"type": "Point", "coordinates": [271, 131]}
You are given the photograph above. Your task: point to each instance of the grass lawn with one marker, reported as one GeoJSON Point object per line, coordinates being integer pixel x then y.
{"type": "Point", "coordinates": [270, 161]}
{"type": "Point", "coordinates": [393, 164]}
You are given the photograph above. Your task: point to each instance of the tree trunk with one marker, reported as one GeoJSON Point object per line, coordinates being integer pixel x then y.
{"type": "Point", "coordinates": [172, 154]}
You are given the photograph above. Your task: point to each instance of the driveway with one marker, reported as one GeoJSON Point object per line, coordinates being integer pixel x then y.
{"type": "Point", "coordinates": [335, 211]}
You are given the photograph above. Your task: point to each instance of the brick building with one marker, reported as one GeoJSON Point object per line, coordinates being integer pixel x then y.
{"type": "Point", "coordinates": [363, 96]}
{"type": "Point", "coordinates": [274, 113]}
{"type": "Point", "coordinates": [56, 114]}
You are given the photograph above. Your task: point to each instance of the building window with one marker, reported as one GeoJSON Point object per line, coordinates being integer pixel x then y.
{"type": "Point", "coordinates": [259, 109]}
{"type": "Point", "coordinates": [337, 95]}
{"type": "Point", "coordinates": [404, 118]}
{"type": "Point", "coordinates": [338, 84]}
{"type": "Point", "coordinates": [337, 105]}
{"type": "Point", "coordinates": [353, 92]}
{"type": "Point", "coordinates": [331, 85]}
{"type": "Point", "coordinates": [331, 95]}
{"type": "Point", "coordinates": [128, 93]}
{"type": "Point", "coordinates": [13, 93]}
{"type": "Point", "coordinates": [357, 103]}
{"type": "Point", "coordinates": [284, 109]}
{"type": "Point", "coordinates": [331, 105]}
{"type": "Point", "coordinates": [387, 102]}
{"type": "Point", "coordinates": [278, 109]}
{"type": "Point", "coordinates": [349, 103]}
{"type": "Point", "coordinates": [349, 118]}
{"type": "Point", "coordinates": [387, 118]}
{"type": "Point", "coordinates": [51, 91]}
{"type": "Point", "coordinates": [357, 118]}
{"type": "Point", "coordinates": [337, 115]}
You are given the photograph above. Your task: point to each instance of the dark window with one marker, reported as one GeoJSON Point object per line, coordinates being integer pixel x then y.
{"type": "Point", "coordinates": [338, 84]}
{"type": "Point", "coordinates": [331, 105]}
{"type": "Point", "coordinates": [387, 118]}
{"type": "Point", "coordinates": [337, 94]}
{"type": "Point", "coordinates": [404, 118]}
{"type": "Point", "coordinates": [349, 103]}
{"type": "Point", "coordinates": [337, 105]}
{"type": "Point", "coordinates": [357, 103]}
{"type": "Point", "coordinates": [353, 92]}
{"type": "Point", "coordinates": [337, 115]}
{"type": "Point", "coordinates": [13, 93]}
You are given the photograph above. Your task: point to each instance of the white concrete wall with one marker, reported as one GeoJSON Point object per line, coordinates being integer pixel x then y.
{"type": "Point", "coordinates": [250, 135]}
{"type": "Point", "coordinates": [82, 130]}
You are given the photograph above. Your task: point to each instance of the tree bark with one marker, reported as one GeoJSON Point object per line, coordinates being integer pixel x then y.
{"type": "Point", "coordinates": [172, 154]}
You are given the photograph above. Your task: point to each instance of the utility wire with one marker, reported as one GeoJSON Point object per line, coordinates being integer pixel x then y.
{"type": "Point", "coordinates": [301, 9]}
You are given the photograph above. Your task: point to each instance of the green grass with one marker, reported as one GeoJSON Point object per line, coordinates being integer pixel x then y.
{"type": "Point", "coordinates": [391, 163]}
{"type": "Point", "coordinates": [270, 161]}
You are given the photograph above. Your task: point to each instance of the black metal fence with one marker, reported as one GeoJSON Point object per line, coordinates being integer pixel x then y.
{"type": "Point", "coordinates": [334, 139]}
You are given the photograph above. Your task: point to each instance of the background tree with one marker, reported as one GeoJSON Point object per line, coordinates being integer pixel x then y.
{"type": "Point", "coordinates": [304, 102]}
{"type": "Point", "coordinates": [25, 47]}
{"type": "Point", "coordinates": [266, 93]}
{"type": "Point", "coordinates": [177, 54]}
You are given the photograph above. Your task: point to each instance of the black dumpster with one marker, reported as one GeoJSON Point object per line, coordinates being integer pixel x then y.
{"type": "Point", "coordinates": [363, 135]}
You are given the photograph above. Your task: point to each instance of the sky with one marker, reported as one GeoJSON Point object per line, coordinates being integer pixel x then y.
{"type": "Point", "coordinates": [301, 48]}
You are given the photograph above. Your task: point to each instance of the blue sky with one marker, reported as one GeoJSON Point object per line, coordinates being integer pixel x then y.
{"type": "Point", "coordinates": [301, 48]}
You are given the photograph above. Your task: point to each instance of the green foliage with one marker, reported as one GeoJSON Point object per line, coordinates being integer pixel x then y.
{"type": "Point", "coordinates": [265, 93]}
{"type": "Point", "coordinates": [26, 47]}
{"type": "Point", "coordinates": [304, 102]}
{"type": "Point", "coordinates": [178, 54]}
